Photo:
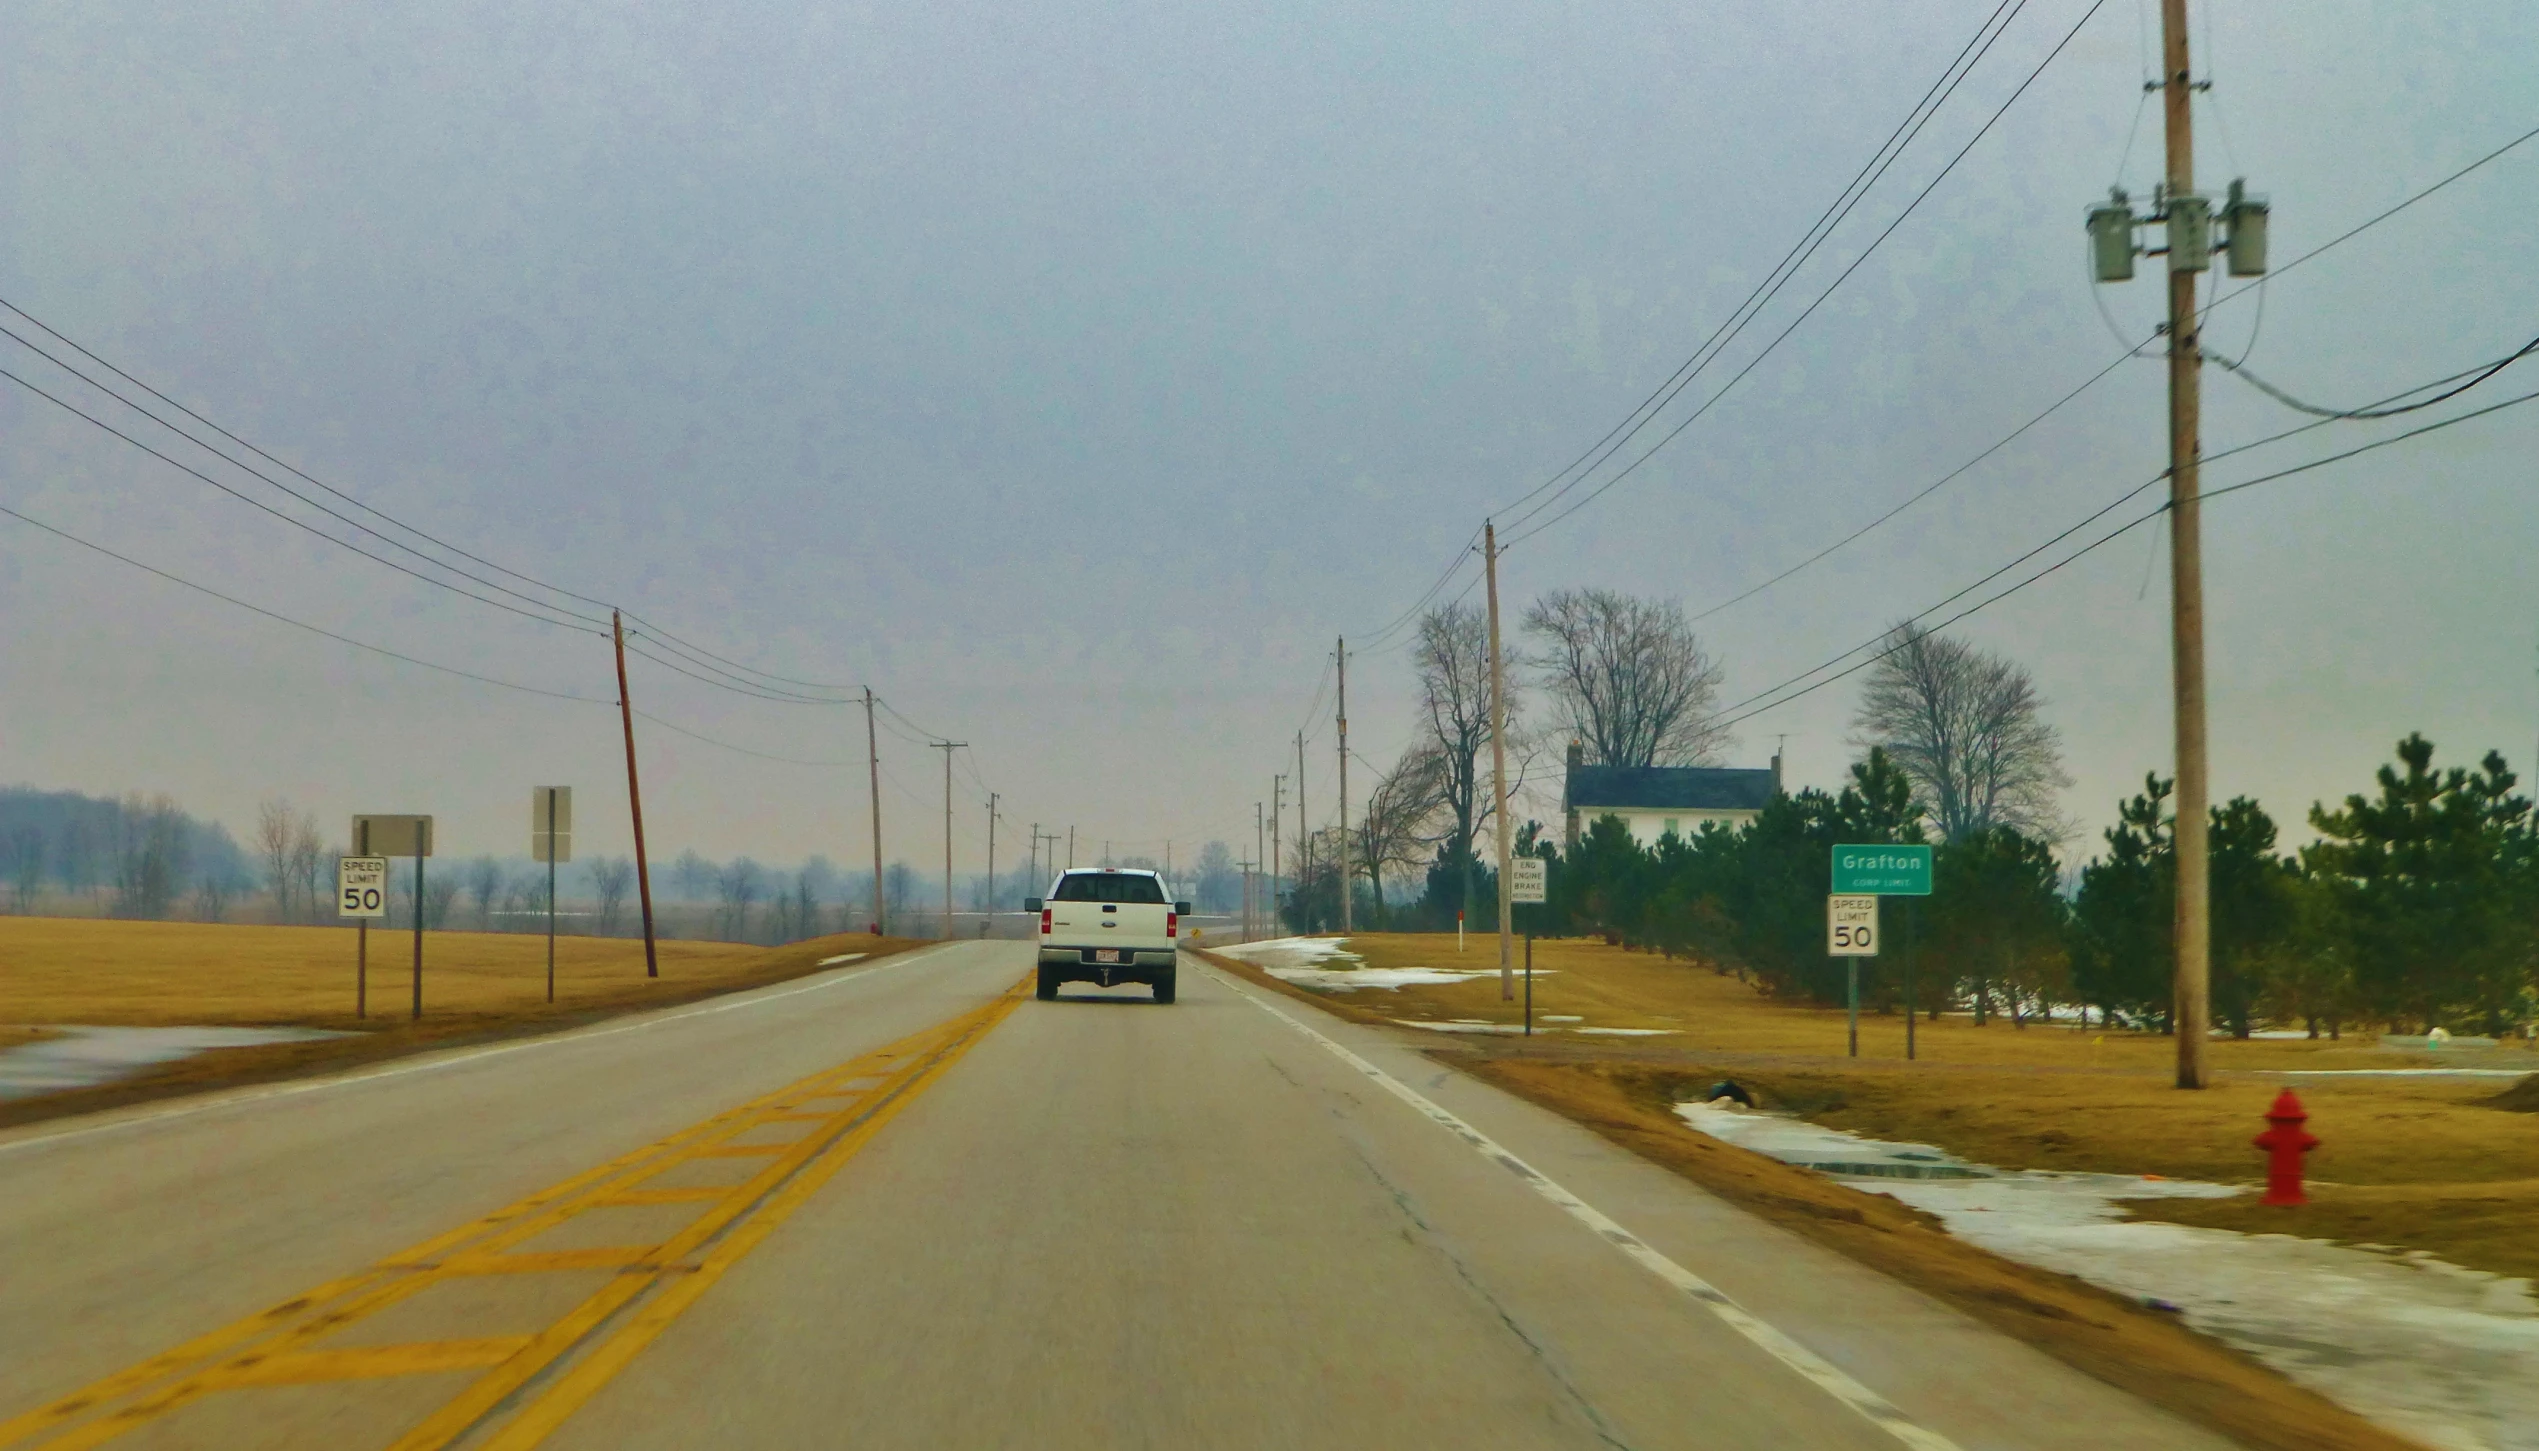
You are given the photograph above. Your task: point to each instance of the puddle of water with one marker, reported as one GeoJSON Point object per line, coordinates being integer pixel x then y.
{"type": "Point", "coordinates": [85, 1057]}
{"type": "Point", "coordinates": [2447, 1355]}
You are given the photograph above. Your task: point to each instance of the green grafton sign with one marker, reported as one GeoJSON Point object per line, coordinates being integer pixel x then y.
{"type": "Point", "coordinates": [1881, 870]}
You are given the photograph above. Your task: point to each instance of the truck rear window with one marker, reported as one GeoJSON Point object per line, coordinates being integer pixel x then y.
{"type": "Point", "coordinates": [1108, 887]}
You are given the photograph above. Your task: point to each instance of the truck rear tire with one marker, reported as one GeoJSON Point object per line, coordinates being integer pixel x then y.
{"type": "Point", "coordinates": [1164, 987]}
{"type": "Point", "coordinates": [1048, 992]}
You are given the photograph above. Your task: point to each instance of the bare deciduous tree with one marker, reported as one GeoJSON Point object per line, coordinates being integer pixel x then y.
{"type": "Point", "coordinates": [737, 885]}
{"type": "Point", "coordinates": [484, 879]}
{"type": "Point", "coordinates": [274, 820]}
{"type": "Point", "coordinates": [1453, 661]}
{"type": "Point", "coordinates": [440, 894]}
{"type": "Point", "coordinates": [26, 866]}
{"type": "Point", "coordinates": [611, 877]}
{"type": "Point", "coordinates": [1399, 825]}
{"type": "Point", "coordinates": [1634, 685]}
{"type": "Point", "coordinates": [1967, 726]}
{"type": "Point", "coordinates": [149, 855]}
{"type": "Point", "coordinates": [308, 865]}
{"type": "Point", "coordinates": [211, 897]}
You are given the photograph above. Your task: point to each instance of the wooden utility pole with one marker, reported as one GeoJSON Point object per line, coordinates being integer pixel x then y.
{"type": "Point", "coordinates": [2186, 577]}
{"type": "Point", "coordinates": [991, 863]}
{"type": "Point", "coordinates": [1499, 764]}
{"type": "Point", "coordinates": [873, 773]}
{"type": "Point", "coordinates": [1340, 653]}
{"type": "Point", "coordinates": [947, 747]}
{"type": "Point", "coordinates": [635, 795]}
{"type": "Point", "coordinates": [1277, 804]}
{"type": "Point", "coordinates": [1304, 833]}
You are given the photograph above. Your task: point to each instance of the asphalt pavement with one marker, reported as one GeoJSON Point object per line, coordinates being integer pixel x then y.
{"type": "Point", "coordinates": [1098, 1222]}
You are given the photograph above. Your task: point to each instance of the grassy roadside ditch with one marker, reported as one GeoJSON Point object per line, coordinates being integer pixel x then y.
{"type": "Point", "coordinates": [2449, 1166]}
{"type": "Point", "coordinates": [1626, 1093]}
{"type": "Point", "coordinates": [479, 988]}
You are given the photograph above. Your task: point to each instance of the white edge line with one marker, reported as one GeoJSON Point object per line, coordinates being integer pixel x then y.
{"type": "Point", "coordinates": [211, 1102]}
{"type": "Point", "coordinates": [1827, 1377]}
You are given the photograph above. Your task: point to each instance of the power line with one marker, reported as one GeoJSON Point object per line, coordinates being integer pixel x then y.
{"type": "Point", "coordinates": [677, 729]}
{"type": "Point", "coordinates": [2483, 372]}
{"type": "Point", "coordinates": [1835, 212]}
{"type": "Point", "coordinates": [242, 465]}
{"type": "Point", "coordinates": [696, 653]}
{"type": "Point", "coordinates": [301, 524]}
{"type": "Point", "coordinates": [1934, 487]}
{"type": "Point", "coordinates": [1810, 309]}
{"type": "Point", "coordinates": [2357, 230]}
{"type": "Point", "coordinates": [1462, 556]}
{"type": "Point", "coordinates": [1739, 712]}
{"type": "Point", "coordinates": [297, 624]}
{"type": "Point", "coordinates": [2240, 370]}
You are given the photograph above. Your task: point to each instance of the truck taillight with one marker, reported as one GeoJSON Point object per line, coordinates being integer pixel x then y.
{"type": "Point", "coordinates": [1172, 924]}
{"type": "Point", "coordinates": [1044, 921]}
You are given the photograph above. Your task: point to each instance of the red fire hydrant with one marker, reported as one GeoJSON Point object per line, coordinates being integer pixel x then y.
{"type": "Point", "coordinates": [2284, 1144]}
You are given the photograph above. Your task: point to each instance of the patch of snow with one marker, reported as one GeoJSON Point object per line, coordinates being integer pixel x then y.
{"type": "Point", "coordinates": [85, 1057]}
{"type": "Point", "coordinates": [2426, 1348]}
{"type": "Point", "coordinates": [842, 957]}
{"type": "Point", "coordinates": [1322, 962]}
{"type": "Point", "coordinates": [1558, 1018]}
{"type": "Point", "coordinates": [1626, 1032]}
{"type": "Point", "coordinates": [1291, 951]}
{"type": "Point", "coordinates": [1460, 1027]}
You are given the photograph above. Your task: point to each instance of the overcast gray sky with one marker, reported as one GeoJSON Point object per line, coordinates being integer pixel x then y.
{"type": "Point", "coordinates": [1074, 374]}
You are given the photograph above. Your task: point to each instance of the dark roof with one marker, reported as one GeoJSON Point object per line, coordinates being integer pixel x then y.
{"type": "Point", "coordinates": [1669, 788]}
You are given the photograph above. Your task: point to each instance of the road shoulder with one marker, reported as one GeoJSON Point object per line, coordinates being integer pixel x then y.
{"type": "Point", "coordinates": [2135, 1350]}
{"type": "Point", "coordinates": [229, 1070]}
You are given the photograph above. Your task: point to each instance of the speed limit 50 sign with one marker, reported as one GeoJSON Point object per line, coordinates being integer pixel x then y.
{"type": "Point", "coordinates": [1851, 926]}
{"type": "Point", "coordinates": [361, 886]}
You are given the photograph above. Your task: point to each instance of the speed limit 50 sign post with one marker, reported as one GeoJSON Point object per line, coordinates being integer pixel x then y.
{"type": "Point", "coordinates": [361, 893]}
{"type": "Point", "coordinates": [1864, 872]}
{"type": "Point", "coordinates": [1851, 933]}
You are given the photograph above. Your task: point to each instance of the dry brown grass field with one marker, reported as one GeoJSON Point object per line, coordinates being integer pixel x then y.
{"type": "Point", "coordinates": [71, 970]}
{"type": "Point", "coordinates": [2420, 1162]}
{"type": "Point", "coordinates": [476, 986]}
{"type": "Point", "coordinates": [1624, 1089]}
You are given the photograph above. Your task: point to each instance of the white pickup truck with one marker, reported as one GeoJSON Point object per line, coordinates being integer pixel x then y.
{"type": "Point", "coordinates": [1108, 926]}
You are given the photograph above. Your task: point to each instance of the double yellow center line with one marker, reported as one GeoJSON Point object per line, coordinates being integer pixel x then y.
{"type": "Point", "coordinates": [527, 1385]}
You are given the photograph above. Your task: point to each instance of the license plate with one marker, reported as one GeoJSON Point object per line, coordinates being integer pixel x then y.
{"type": "Point", "coordinates": [1106, 954]}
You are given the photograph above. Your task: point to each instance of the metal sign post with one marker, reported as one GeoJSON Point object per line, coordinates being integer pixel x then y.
{"type": "Point", "coordinates": [551, 841]}
{"type": "Point", "coordinates": [418, 830]}
{"type": "Point", "coordinates": [1529, 885]}
{"type": "Point", "coordinates": [361, 893]}
{"type": "Point", "coordinates": [1851, 933]}
{"type": "Point", "coordinates": [1873, 870]}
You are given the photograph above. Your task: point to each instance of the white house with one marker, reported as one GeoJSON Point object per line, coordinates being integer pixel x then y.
{"type": "Point", "coordinates": [1654, 800]}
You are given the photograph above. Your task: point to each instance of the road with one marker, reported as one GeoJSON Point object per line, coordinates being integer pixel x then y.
{"type": "Point", "coordinates": [1234, 1222]}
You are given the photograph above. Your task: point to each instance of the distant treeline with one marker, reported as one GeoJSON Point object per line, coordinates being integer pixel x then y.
{"type": "Point", "coordinates": [2417, 906]}
{"type": "Point", "coordinates": [138, 856]}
